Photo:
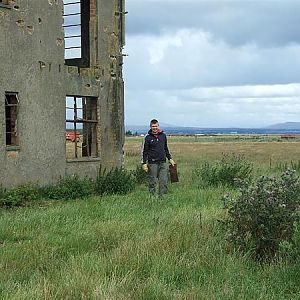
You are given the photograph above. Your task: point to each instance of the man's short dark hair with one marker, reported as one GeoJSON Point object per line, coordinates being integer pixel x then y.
{"type": "Point", "coordinates": [153, 121]}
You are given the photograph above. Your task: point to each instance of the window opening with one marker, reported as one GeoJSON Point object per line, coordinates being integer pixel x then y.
{"type": "Point", "coordinates": [76, 29]}
{"type": "Point", "coordinates": [11, 118]}
{"type": "Point", "coordinates": [81, 127]}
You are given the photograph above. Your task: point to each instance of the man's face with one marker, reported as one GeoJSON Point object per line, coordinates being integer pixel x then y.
{"type": "Point", "coordinates": [154, 127]}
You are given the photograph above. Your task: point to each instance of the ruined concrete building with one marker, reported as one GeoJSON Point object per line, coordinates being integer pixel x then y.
{"type": "Point", "coordinates": [61, 88]}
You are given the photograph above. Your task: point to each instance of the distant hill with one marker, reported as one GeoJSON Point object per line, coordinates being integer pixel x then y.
{"type": "Point", "coordinates": [165, 127]}
{"type": "Point", "coordinates": [281, 128]}
{"type": "Point", "coordinates": [137, 128]}
{"type": "Point", "coordinates": [286, 125]}
{"type": "Point", "coordinates": [145, 128]}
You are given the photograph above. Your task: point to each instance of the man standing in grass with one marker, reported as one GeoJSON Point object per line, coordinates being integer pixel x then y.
{"type": "Point", "coordinates": [155, 152]}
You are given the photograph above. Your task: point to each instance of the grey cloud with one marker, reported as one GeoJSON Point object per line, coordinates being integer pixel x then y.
{"type": "Point", "coordinates": [191, 108]}
{"type": "Point", "coordinates": [187, 59]}
{"type": "Point", "coordinates": [212, 63]}
{"type": "Point", "coordinates": [265, 23]}
{"type": "Point", "coordinates": [209, 113]}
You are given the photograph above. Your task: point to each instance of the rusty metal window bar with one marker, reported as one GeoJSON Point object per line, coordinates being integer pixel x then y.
{"type": "Point", "coordinates": [76, 28]}
{"type": "Point", "coordinates": [11, 118]}
{"type": "Point", "coordinates": [81, 127]}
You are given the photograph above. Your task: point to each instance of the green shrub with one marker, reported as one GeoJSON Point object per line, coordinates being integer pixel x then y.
{"type": "Point", "coordinates": [116, 181]}
{"type": "Point", "coordinates": [291, 249]}
{"type": "Point", "coordinates": [226, 171]}
{"type": "Point", "coordinates": [18, 196]}
{"type": "Point", "coordinates": [293, 165]}
{"type": "Point", "coordinates": [262, 216]}
{"type": "Point", "coordinates": [2, 195]}
{"type": "Point", "coordinates": [2, 192]}
{"type": "Point", "coordinates": [68, 188]}
{"type": "Point", "coordinates": [140, 175]}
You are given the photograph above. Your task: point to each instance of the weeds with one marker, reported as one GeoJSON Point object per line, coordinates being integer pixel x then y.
{"type": "Point", "coordinates": [2, 192]}
{"type": "Point", "coordinates": [68, 188]}
{"type": "Point", "coordinates": [18, 196]}
{"type": "Point", "coordinates": [128, 247]}
{"type": "Point", "coordinates": [116, 181]}
{"type": "Point", "coordinates": [293, 165]}
{"type": "Point", "coordinates": [263, 215]}
{"type": "Point", "coordinates": [225, 171]}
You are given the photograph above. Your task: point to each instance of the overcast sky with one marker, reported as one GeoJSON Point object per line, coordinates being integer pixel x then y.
{"type": "Point", "coordinates": [213, 63]}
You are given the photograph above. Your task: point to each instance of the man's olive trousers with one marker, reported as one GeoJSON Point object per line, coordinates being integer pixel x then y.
{"type": "Point", "coordinates": [158, 172]}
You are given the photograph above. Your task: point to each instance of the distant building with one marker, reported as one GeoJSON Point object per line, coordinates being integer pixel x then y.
{"type": "Point", "coordinates": [61, 69]}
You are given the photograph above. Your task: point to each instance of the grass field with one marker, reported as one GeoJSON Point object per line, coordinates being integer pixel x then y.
{"type": "Point", "coordinates": [131, 247]}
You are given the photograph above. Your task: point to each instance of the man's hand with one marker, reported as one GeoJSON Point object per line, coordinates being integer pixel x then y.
{"type": "Point", "coordinates": [172, 162]}
{"type": "Point", "coordinates": [145, 168]}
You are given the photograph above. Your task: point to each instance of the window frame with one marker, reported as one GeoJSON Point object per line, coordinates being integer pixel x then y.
{"type": "Point", "coordinates": [10, 135]}
{"type": "Point", "coordinates": [84, 60]}
{"type": "Point", "coordinates": [86, 122]}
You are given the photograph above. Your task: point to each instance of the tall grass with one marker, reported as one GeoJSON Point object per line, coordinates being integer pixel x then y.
{"type": "Point", "coordinates": [131, 247]}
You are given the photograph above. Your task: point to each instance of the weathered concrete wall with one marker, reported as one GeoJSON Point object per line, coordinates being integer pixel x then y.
{"type": "Point", "coordinates": [32, 64]}
{"type": "Point", "coordinates": [112, 97]}
{"type": "Point", "coordinates": [103, 80]}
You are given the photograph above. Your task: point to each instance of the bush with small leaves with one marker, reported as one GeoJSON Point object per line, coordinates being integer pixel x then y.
{"type": "Point", "coordinates": [116, 181]}
{"type": "Point", "coordinates": [263, 215]}
{"type": "Point", "coordinates": [2, 195]}
{"type": "Point", "coordinates": [68, 188]}
{"type": "Point", "coordinates": [19, 196]}
{"type": "Point", "coordinates": [2, 192]}
{"type": "Point", "coordinates": [230, 168]}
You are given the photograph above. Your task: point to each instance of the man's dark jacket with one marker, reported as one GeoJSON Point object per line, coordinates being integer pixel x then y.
{"type": "Point", "coordinates": [155, 148]}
